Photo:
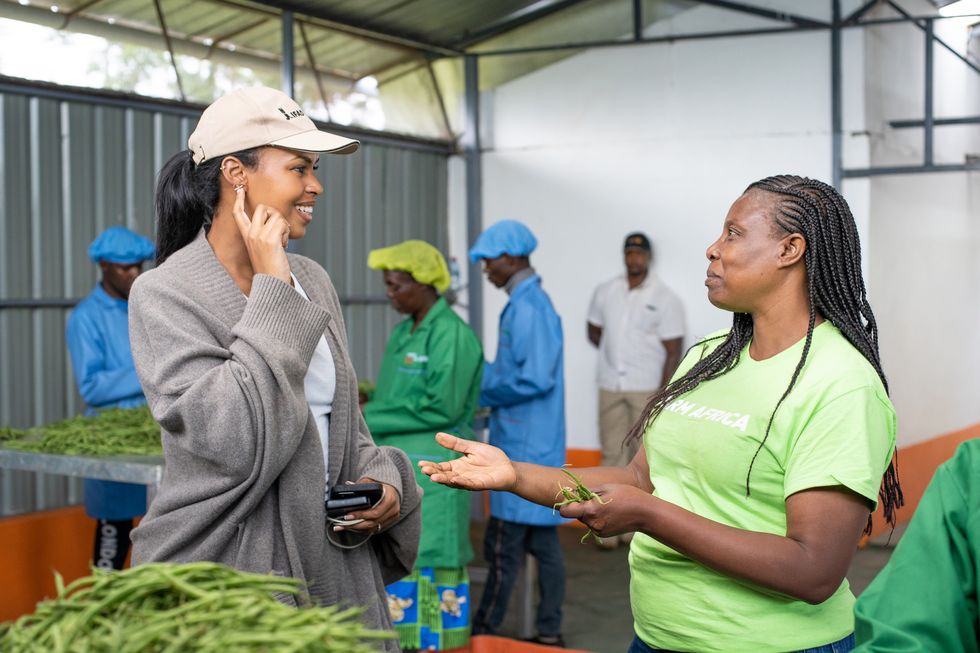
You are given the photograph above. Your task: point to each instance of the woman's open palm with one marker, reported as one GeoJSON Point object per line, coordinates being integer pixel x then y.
{"type": "Point", "coordinates": [482, 466]}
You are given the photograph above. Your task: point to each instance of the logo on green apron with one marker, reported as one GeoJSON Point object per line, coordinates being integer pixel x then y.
{"type": "Point", "coordinates": [411, 358]}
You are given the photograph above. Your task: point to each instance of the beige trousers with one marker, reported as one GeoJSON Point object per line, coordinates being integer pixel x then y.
{"type": "Point", "coordinates": [618, 411]}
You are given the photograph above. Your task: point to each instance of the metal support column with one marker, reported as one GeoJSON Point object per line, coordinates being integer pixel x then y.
{"type": "Point", "coordinates": [836, 111]}
{"type": "Point", "coordinates": [287, 79]}
{"type": "Point", "coordinates": [637, 20]}
{"type": "Point", "coordinates": [170, 49]}
{"type": "Point", "coordinates": [287, 83]}
{"type": "Point", "coordinates": [474, 187]}
{"type": "Point", "coordinates": [928, 121]}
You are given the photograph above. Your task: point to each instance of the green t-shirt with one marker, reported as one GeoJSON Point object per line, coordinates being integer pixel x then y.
{"type": "Point", "coordinates": [837, 427]}
{"type": "Point", "coordinates": [925, 599]}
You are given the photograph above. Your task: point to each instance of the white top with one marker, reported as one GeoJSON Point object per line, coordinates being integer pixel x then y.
{"type": "Point", "coordinates": [320, 385]}
{"type": "Point", "coordinates": [634, 325]}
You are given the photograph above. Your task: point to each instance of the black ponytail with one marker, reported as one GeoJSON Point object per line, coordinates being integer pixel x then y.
{"type": "Point", "coordinates": [187, 196]}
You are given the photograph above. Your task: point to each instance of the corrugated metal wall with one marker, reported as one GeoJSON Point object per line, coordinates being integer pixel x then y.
{"type": "Point", "coordinates": [71, 168]}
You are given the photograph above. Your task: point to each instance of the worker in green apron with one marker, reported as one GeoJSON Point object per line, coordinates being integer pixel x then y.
{"type": "Point", "coordinates": [429, 382]}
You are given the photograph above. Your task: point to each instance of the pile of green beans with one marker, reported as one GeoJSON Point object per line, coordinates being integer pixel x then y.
{"type": "Point", "coordinates": [12, 434]}
{"type": "Point", "coordinates": [114, 431]}
{"type": "Point", "coordinates": [578, 494]}
{"type": "Point", "coordinates": [187, 608]}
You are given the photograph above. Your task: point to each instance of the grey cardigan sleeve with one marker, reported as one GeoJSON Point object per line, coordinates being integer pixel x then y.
{"type": "Point", "coordinates": [237, 402]}
{"type": "Point", "coordinates": [397, 546]}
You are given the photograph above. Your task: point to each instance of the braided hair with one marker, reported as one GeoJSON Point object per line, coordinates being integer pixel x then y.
{"type": "Point", "coordinates": [836, 290]}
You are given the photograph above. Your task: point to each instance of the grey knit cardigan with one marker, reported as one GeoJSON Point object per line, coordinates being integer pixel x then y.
{"type": "Point", "coordinates": [244, 477]}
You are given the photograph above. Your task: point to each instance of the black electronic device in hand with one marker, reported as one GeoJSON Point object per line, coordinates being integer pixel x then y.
{"type": "Point", "coordinates": [344, 499]}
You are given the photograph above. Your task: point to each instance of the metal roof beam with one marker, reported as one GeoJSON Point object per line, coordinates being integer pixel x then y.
{"type": "Point", "coordinates": [515, 19]}
{"type": "Point", "coordinates": [422, 62]}
{"type": "Point", "coordinates": [669, 38]}
{"type": "Point", "coordinates": [936, 122]}
{"type": "Point", "coordinates": [920, 24]}
{"type": "Point", "coordinates": [855, 15]}
{"type": "Point", "coordinates": [153, 39]}
{"type": "Point", "coordinates": [854, 173]}
{"type": "Point", "coordinates": [170, 49]}
{"type": "Point", "coordinates": [772, 14]}
{"type": "Point", "coordinates": [316, 73]}
{"type": "Point", "coordinates": [442, 103]}
{"type": "Point", "coordinates": [215, 42]}
{"type": "Point", "coordinates": [79, 9]}
{"type": "Point", "coordinates": [34, 88]}
{"type": "Point", "coordinates": [343, 24]}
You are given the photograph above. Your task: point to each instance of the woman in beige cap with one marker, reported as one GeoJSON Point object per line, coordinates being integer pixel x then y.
{"type": "Point", "coordinates": [242, 353]}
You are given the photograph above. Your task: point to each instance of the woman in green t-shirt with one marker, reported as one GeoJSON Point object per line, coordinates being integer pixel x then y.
{"type": "Point", "coordinates": [763, 456]}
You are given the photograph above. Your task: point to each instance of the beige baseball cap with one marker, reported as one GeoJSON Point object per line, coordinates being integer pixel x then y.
{"type": "Point", "coordinates": [257, 116]}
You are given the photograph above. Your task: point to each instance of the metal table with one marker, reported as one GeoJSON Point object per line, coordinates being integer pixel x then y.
{"type": "Point", "coordinates": [148, 471]}
{"type": "Point", "coordinates": [144, 470]}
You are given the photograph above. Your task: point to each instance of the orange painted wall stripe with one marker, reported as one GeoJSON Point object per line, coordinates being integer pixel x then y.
{"type": "Point", "coordinates": [583, 457]}
{"type": "Point", "coordinates": [36, 544]}
{"type": "Point", "coordinates": [917, 464]}
{"type": "Point", "coordinates": [573, 458]}
{"type": "Point", "coordinates": [578, 458]}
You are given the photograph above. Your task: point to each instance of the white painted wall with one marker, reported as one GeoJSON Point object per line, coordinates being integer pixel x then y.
{"type": "Point", "coordinates": [926, 276]}
{"type": "Point", "coordinates": [925, 232]}
{"type": "Point", "coordinates": [662, 138]}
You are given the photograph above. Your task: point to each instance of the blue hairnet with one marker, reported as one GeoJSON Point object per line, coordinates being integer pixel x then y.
{"type": "Point", "coordinates": [120, 245]}
{"type": "Point", "coordinates": [505, 237]}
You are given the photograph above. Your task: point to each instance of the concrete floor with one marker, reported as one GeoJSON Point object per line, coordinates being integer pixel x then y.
{"type": "Point", "coordinates": [597, 613]}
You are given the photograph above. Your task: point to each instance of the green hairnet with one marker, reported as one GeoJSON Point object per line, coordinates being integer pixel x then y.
{"type": "Point", "coordinates": [418, 258]}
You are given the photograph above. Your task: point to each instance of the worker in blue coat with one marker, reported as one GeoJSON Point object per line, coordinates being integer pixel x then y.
{"type": "Point", "coordinates": [525, 390]}
{"type": "Point", "coordinates": [98, 341]}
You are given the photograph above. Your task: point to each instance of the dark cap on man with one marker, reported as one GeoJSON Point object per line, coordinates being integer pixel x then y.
{"type": "Point", "coordinates": [638, 240]}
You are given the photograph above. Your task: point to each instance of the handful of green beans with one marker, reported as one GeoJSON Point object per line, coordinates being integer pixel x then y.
{"type": "Point", "coordinates": [194, 608]}
{"type": "Point", "coordinates": [114, 431]}
{"type": "Point", "coordinates": [579, 494]}
{"type": "Point", "coordinates": [366, 388]}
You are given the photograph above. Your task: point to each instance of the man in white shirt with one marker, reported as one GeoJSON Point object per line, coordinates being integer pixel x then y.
{"type": "Point", "coordinates": [638, 325]}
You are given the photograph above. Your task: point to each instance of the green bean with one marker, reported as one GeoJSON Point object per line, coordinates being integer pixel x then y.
{"type": "Point", "coordinates": [181, 642]}
{"type": "Point", "coordinates": [197, 607]}
{"type": "Point", "coordinates": [12, 434]}
{"type": "Point", "coordinates": [115, 431]}
{"type": "Point", "coordinates": [579, 494]}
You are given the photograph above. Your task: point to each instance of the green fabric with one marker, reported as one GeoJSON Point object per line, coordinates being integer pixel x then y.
{"type": "Point", "coordinates": [429, 382]}
{"type": "Point", "coordinates": [925, 599]}
{"type": "Point", "coordinates": [440, 618]}
{"type": "Point", "coordinates": [837, 427]}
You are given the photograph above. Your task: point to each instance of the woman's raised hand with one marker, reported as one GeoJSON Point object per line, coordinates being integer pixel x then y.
{"type": "Point", "coordinates": [266, 235]}
{"type": "Point", "coordinates": [482, 467]}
